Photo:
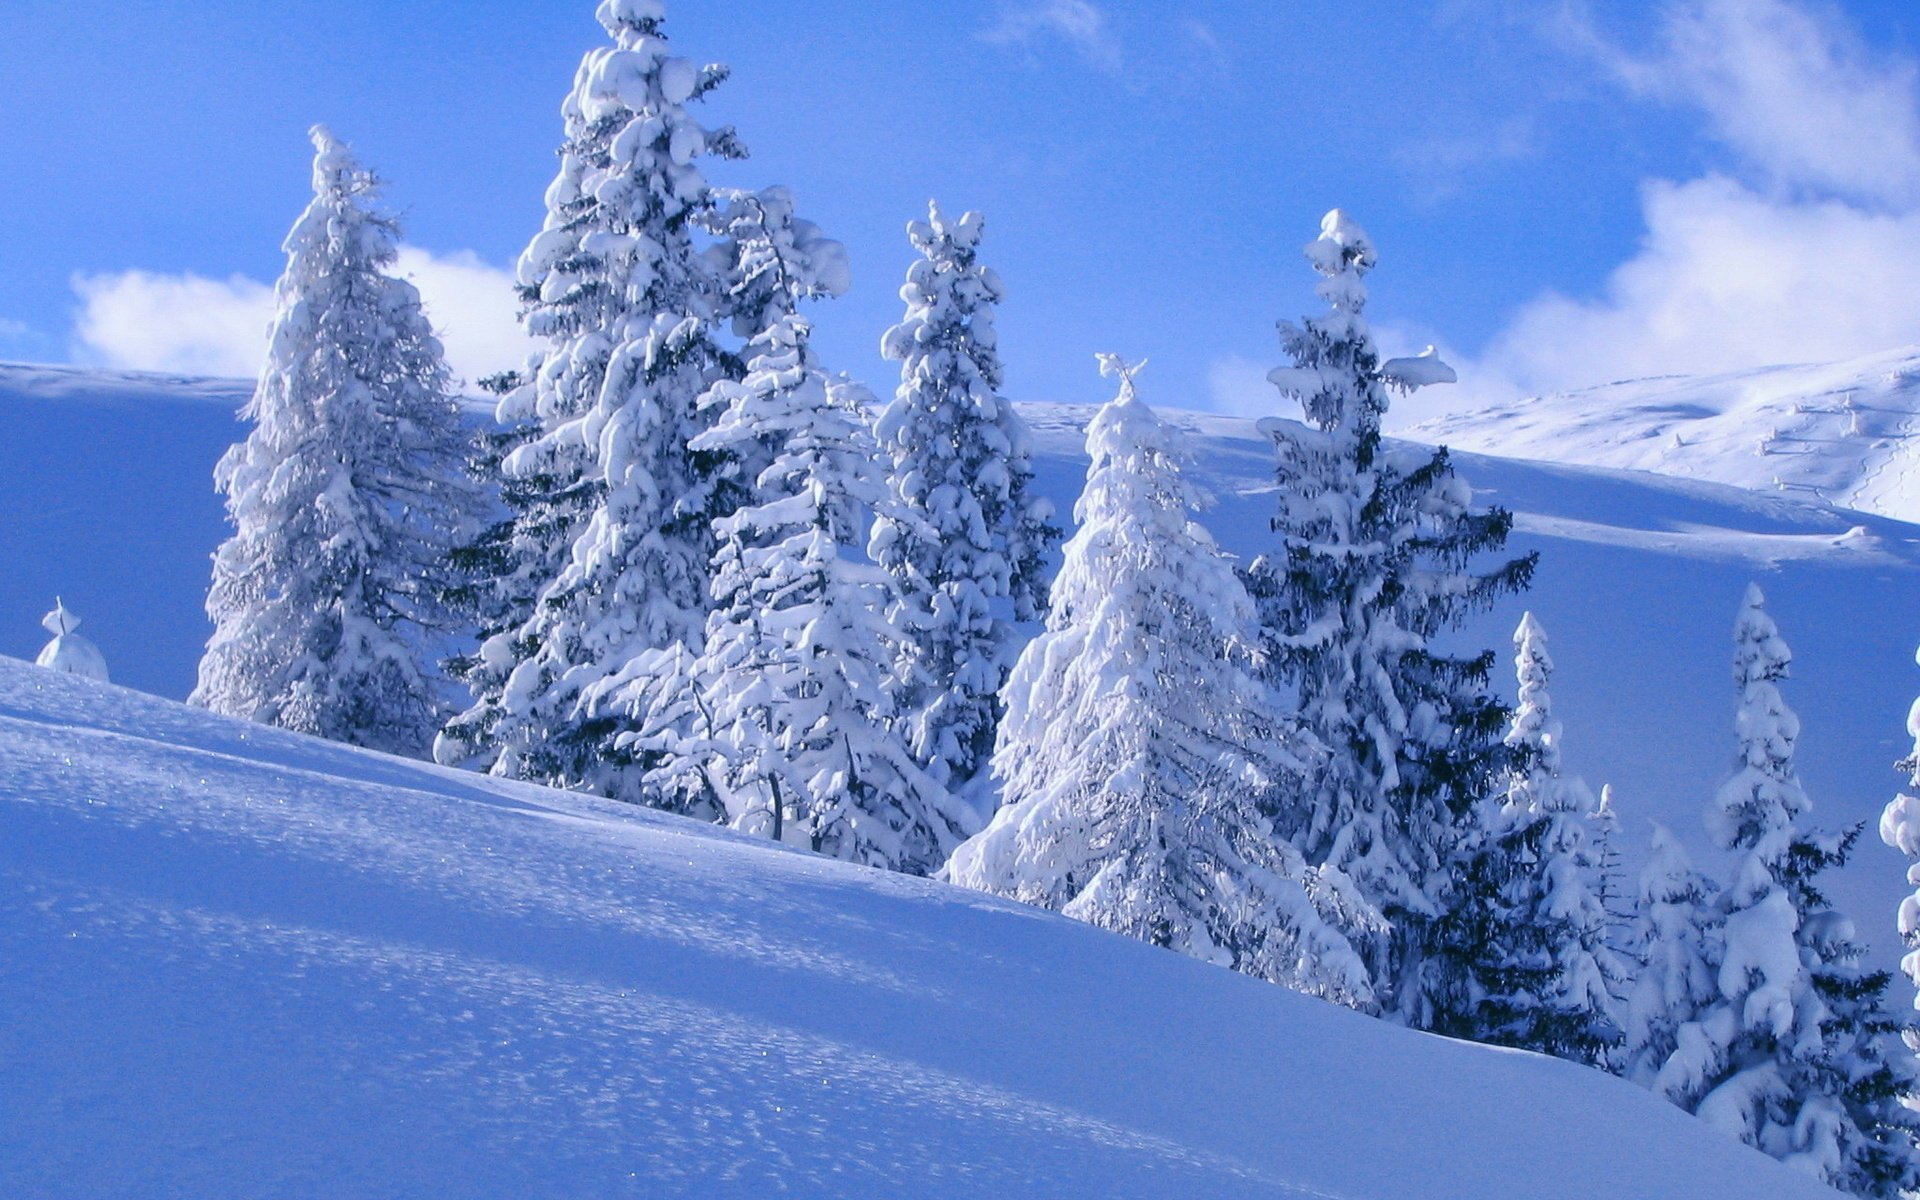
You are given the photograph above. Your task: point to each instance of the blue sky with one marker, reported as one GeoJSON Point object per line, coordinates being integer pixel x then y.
{"type": "Point", "coordinates": [1564, 193]}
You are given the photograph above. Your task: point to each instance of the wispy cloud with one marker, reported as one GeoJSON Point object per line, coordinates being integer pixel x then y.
{"type": "Point", "coordinates": [185, 323]}
{"type": "Point", "coordinates": [1079, 24]}
{"type": "Point", "coordinates": [1206, 43]}
{"type": "Point", "coordinates": [1442, 165]}
{"type": "Point", "coordinates": [1793, 89]}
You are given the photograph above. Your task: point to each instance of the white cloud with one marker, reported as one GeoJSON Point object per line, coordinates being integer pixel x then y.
{"type": "Point", "coordinates": [474, 308]}
{"type": "Point", "coordinates": [1079, 23]}
{"type": "Point", "coordinates": [1441, 164]}
{"type": "Point", "coordinates": [140, 320]}
{"type": "Point", "coordinates": [183, 323]}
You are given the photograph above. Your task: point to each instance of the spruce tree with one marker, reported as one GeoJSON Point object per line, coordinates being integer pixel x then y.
{"type": "Point", "coordinates": [1549, 980]}
{"type": "Point", "coordinates": [1377, 541]}
{"type": "Point", "coordinates": [345, 496]}
{"type": "Point", "coordinates": [1140, 745]}
{"type": "Point", "coordinates": [964, 535]}
{"type": "Point", "coordinates": [1673, 945]}
{"type": "Point", "coordinates": [782, 724]}
{"type": "Point", "coordinates": [614, 510]}
{"type": "Point", "coordinates": [1610, 875]}
{"type": "Point", "coordinates": [1795, 1055]}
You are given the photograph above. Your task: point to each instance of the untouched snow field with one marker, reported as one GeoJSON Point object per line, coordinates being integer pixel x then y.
{"type": "Point", "coordinates": [1846, 433]}
{"type": "Point", "coordinates": [244, 963]}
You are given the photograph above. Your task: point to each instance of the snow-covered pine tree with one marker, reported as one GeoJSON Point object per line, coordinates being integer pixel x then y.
{"type": "Point", "coordinates": [1673, 945]}
{"type": "Point", "coordinates": [783, 722]}
{"type": "Point", "coordinates": [965, 533]}
{"type": "Point", "coordinates": [497, 576]}
{"type": "Point", "coordinates": [1377, 541]}
{"type": "Point", "coordinates": [615, 519]}
{"type": "Point", "coordinates": [1797, 1055]}
{"type": "Point", "coordinates": [1546, 978]}
{"type": "Point", "coordinates": [1140, 746]}
{"type": "Point", "coordinates": [1610, 875]}
{"type": "Point", "coordinates": [346, 494]}
{"type": "Point", "coordinates": [68, 652]}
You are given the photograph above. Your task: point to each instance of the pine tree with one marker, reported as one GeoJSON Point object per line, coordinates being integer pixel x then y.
{"type": "Point", "coordinates": [1794, 1054]}
{"type": "Point", "coordinates": [964, 534]}
{"type": "Point", "coordinates": [1377, 539]}
{"type": "Point", "coordinates": [783, 723]}
{"type": "Point", "coordinates": [1610, 875]}
{"type": "Point", "coordinates": [1548, 980]}
{"type": "Point", "coordinates": [1673, 945]}
{"type": "Point", "coordinates": [1139, 745]}
{"type": "Point", "coordinates": [346, 494]}
{"type": "Point", "coordinates": [614, 511]}
{"type": "Point", "coordinates": [497, 576]}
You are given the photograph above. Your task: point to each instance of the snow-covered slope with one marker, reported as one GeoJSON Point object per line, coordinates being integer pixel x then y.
{"type": "Point", "coordinates": [1847, 433]}
{"type": "Point", "coordinates": [108, 500]}
{"type": "Point", "coordinates": [242, 963]}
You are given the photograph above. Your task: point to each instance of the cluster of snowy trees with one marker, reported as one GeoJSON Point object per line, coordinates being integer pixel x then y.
{"type": "Point", "coordinates": [700, 571]}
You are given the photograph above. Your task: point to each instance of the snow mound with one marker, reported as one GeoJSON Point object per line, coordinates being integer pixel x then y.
{"type": "Point", "coordinates": [242, 963]}
{"type": "Point", "coordinates": [1846, 433]}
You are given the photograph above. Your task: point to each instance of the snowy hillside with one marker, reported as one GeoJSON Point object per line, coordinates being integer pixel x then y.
{"type": "Point", "coordinates": [243, 963]}
{"type": "Point", "coordinates": [110, 502]}
{"type": "Point", "coordinates": [1847, 433]}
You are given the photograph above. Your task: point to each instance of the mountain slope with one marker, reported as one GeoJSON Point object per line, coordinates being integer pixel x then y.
{"type": "Point", "coordinates": [1846, 433]}
{"type": "Point", "coordinates": [244, 963]}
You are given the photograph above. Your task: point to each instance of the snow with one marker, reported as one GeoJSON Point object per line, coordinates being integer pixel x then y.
{"type": "Point", "coordinates": [241, 962]}
{"type": "Point", "coordinates": [1847, 433]}
{"type": "Point", "coordinates": [1421, 370]}
{"type": "Point", "coordinates": [68, 652]}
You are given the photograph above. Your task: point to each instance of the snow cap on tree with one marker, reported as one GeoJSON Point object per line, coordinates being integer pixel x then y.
{"type": "Point", "coordinates": [68, 652]}
{"type": "Point", "coordinates": [1900, 829]}
{"type": "Point", "coordinates": [1533, 724]}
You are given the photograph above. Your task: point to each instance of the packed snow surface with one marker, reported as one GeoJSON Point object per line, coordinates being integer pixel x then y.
{"type": "Point", "coordinates": [1847, 433]}
{"type": "Point", "coordinates": [245, 963]}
